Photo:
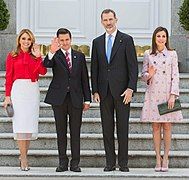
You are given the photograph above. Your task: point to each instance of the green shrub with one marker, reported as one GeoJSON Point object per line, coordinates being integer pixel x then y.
{"type": "Point", "coordinates": [184, 15]}
{"type": "Point", "coordinates": [4, 15]}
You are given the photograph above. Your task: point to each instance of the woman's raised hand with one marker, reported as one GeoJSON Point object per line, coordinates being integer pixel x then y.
{"type": "Point", "coordinates": [36, 50]}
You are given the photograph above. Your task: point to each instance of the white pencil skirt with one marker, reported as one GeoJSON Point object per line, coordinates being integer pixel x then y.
{"type": "Point", "coordinates": [25, 99]}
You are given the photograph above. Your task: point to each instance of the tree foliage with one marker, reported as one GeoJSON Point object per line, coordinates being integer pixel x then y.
{"type": "Point", "coordinates": [4, 15]}
{"type": "Point", "coordinates": [184, 15]}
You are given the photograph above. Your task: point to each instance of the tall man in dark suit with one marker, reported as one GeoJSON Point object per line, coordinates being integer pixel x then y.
{"type": "Point", "coordinates": [114, 72]}
{"type": "Point", "coordinates": [69, 94]}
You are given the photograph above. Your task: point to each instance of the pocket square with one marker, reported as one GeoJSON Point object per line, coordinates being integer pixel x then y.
{"type": "Point", "coordinates": [163, 108]}
{"type": "Point", "coordinates": [10, 110]}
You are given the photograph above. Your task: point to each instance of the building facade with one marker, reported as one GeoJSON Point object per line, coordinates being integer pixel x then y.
{"type": "Point", "coordinates": [136, 17]}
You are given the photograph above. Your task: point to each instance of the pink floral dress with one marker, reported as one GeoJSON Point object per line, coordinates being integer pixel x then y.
{"type": "Point", "coordinates": [164, 82]}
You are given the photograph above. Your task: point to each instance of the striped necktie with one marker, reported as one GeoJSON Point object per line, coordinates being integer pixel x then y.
{"type": "Point", "coordinates": [68, 61]}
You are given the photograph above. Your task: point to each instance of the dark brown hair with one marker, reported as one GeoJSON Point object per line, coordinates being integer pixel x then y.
{"type": "Point", "coordinates": [154, 45]}
{"type": "Point", "coordinates": [106, 11]}
{"type": "Point", "coordinates": [63, 31]}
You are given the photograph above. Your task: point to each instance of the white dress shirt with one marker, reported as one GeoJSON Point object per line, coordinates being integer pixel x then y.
{"type": "Point", "coordinates": [112, 38]}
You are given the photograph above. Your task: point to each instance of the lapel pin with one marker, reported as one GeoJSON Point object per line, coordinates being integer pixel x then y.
{"type": "Point", "coordinates": [120, 40]}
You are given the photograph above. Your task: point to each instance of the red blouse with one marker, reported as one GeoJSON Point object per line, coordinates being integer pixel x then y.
{"type": "Point", "coordinates": [23, 66]}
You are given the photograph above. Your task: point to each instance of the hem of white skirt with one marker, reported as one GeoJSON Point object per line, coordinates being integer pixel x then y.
{"type": "Point", "coordinates": [32, 139]}
{"type": "Point", "coordinates": [23, 136]}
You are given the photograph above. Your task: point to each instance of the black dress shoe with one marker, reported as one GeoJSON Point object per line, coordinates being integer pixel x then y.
{"type": "Point", "coordinates": [61, 168]}
{"type": "Point", "coordinates": [124, 169]}
{"type": "Point", "coordinates": [75, 169]}
{"type": "Point", "coordinates": [109, 168]}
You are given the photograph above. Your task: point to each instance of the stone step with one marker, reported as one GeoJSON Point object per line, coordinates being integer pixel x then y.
{"type": "Point", "coordinates": [93, 125]}
{"type": "Point", "coordinates": [138, 96]}
{"type": "Point", "coordinates": [45, 80]}
{"type": "Point", "coordinates": [137, 142]}
{"type": "Point", "coordinates": [49, 173]}
{"type": "Point", "coordinates": [46, 110]}
{"type": "Point", "coordinates": [93, 158]}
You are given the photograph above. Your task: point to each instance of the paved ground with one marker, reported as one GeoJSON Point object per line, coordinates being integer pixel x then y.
{"type": "Point", "coordinates": [39, 173]}
{"type": "Point", "coordinates": [85, 178]}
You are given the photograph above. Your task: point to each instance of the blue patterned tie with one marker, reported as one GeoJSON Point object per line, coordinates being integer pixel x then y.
{"type": "Point", "coordinates": [109, 48]}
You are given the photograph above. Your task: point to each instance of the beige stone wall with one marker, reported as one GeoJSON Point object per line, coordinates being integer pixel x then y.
{"type": "Point", "coordinates": [7, 37]}
{"type": "Point", "coordinates": [178, 37]}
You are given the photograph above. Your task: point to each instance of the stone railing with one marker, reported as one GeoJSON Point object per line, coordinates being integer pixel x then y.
{"type": "Point", "coordinates": [141, 49]}
{"type": "Point", "coordinates": [85, 49]}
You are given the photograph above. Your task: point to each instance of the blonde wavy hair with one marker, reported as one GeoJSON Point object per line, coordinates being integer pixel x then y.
{"type": "Point", "coordinates": [14, 53]}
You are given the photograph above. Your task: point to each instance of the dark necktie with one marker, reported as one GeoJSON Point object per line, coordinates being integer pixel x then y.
{"type": "Point", "coordinates": [68, 61]}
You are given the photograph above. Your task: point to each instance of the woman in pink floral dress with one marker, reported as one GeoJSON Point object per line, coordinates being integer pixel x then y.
{"type": "Point", "coordinates": [160, 72]}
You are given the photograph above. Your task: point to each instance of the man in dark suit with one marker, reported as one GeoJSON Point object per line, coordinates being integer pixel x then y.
{"type": "Point", "coordinates": [69, 94]}
{"type": "Point", "coordinates": [114, 71]}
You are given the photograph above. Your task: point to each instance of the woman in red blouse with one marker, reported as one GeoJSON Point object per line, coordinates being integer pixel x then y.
{"type": "Point", "coordinates": [23, 67]}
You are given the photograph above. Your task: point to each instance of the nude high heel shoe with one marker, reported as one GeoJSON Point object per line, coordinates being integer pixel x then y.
{"type": "Point", "coordinates": [158, 167]}
{"type": "Point", "coordinates": [24, 164]}
{"type": "Point", "coordinates": [165, 166]}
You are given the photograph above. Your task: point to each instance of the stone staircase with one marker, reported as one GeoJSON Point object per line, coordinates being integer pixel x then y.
{"type": "Point", "coordinates": [43, 152]}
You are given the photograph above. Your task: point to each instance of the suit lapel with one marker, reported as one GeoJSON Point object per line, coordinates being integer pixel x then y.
{"type": "Point", "coordinates": [103, 45]}
{"type": "Point", "coordinates": [117, 42]}
{"type": "Point", "coordinates": [61, 58]}
{"type": "Point", "coordinates": [74, 60]}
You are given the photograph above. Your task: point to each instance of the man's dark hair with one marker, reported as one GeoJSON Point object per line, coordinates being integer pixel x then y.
{"type": "Point", "coordinates": [106, 11]}
{"type": "Point", "coordinates": [63, 31]}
